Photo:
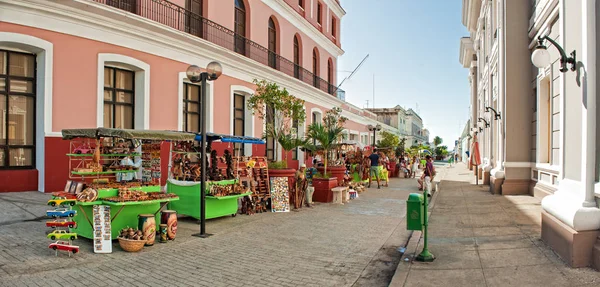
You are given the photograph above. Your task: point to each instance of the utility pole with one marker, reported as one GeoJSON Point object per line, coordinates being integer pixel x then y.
{"type": "Point", "coordinates": [367, 104]}
{"type": "Point", "coordinates": [373, 90]}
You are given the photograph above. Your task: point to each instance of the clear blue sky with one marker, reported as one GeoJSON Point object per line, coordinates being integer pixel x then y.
{"type": "Point", "coordinates": [414, 54]}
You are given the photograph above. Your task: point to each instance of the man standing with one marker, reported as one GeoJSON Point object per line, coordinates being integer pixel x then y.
{"type": "Point", "coordinates": [374, 170]}
{"type": "Point", "coordinates": [301, 186]}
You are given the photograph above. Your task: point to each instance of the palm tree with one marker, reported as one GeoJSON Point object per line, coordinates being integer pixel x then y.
{"type": "Point", "coordinates": [289, 142]}
{"type": "Point", "coordinates": [437, 141]}
{"type": "Point", "coordinates": [327, 138]}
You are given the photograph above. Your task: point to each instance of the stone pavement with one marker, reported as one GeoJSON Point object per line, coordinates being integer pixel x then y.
{"type": "Point", "coordinates": [327, 245]}
{"type": "Point", "coordinates": [480, 239]}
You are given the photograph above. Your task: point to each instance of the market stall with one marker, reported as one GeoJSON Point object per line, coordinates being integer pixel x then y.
{"type": "Point", "coordinates": [229, 178]}
{"type": "Point", "coordinates": [119, 170]}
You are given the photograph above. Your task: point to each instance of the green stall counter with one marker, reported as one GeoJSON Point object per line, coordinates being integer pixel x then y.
{"type": "Point", "coordinates": [189, 203]}
{"type": "Point", "coordinates": [122, 214]}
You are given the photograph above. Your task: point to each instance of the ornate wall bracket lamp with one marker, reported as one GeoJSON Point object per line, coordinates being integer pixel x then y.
{"type": "Point", "coordinates": [497, 115]}
{"type": "Point", "coordinates": [541, 57]}
{"type": "Point", "coordinates": [485, 123]}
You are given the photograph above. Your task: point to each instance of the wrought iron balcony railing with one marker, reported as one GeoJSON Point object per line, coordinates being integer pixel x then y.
{"type": "Point", "coordinates": [179, 18]}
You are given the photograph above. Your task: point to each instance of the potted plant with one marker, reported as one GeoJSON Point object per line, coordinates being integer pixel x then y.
{"type": "Point", "coordinates": [278, 109]}
{"type": "Point", "coordinates": [326, 136]}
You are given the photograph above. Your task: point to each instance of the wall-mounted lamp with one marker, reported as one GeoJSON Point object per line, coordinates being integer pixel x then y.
{"type": "Point", "coordinates": [541, 57]}
{"type": "Point", "coordinates": [486, 124]}
{"type": "Point", "coordinates": [497, 115]}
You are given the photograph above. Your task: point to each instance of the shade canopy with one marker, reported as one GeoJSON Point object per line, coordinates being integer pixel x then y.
{"type": "Point", "coordinates": [127, 134]}
{"type": "Point", "coordinates": [229, 139]}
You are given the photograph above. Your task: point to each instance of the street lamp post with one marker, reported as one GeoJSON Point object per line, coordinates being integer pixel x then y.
{"type": "Point", "coordinates": [195, 75]}
{"type": "Point", "coordinates": [374, 129]}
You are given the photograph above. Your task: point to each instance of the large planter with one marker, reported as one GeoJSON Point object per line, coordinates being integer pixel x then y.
{"type": "Point", "coordinates": [336, 171]}
{"type": "Point", "coordinates": [323, 188]}
{"type": "Point", "coordinates": [290, 174]}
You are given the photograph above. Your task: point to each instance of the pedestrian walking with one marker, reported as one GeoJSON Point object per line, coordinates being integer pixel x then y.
{"type": "Point", "coordinates": [428, 175]}
{"type": "Point", "coordinates": [374, 169]}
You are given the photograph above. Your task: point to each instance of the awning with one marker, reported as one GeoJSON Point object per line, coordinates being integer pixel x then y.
{"type": "Point", "coordinates": [127, 134]}
{"type": "Point", "coordinates": [229, 139]}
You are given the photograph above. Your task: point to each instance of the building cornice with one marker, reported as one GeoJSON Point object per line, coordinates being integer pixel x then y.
{"type": "Point", "coordinates": [287, 12]}
{"type": "Point", "coordinates": [466, 51]}
{"type": "Point", "coordinates": [470, 14]}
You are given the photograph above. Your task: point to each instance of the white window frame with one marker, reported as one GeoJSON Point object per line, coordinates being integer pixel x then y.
{"type": "Point", "coordinates": [141, 89]}
{"type": "Point", "coordinates": [44, 51]}
{"type": "Point", "coordinates": [249, 118]}
{"type": "Point", "coordinates": [182, 80]}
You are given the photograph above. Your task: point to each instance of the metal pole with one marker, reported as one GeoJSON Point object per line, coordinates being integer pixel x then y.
{"type": "Point", "coordinates": [374, 135]}
{"type": "Point", "coordinates": [202, 122]}
{"type": "Point", "coordinates": [425, 255]}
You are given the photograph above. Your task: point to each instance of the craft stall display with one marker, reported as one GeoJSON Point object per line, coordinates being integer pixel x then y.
{"type": "Point", "coordinates": [125, 190]}
{"type": "Point", "coordinates": [151, 162]}
{"type": "Point", "coordinates": [280, 196]}
{"type": "Point", "coordinates": [228, 177]}
{"type": "Point", "coordinates": [62, 224]}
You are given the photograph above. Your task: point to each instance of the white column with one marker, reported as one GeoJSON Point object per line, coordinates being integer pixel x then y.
{"type": "Point", "coordinates": [588, 114]}
{"type": "Point", "coordinates": [498, 171]}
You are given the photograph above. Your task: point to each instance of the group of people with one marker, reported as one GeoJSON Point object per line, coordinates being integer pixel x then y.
{"type": "Point", "coordinates": [377, 165]}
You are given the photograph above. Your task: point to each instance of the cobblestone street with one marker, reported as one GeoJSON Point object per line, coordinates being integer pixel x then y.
{"type": "Point", "coordinates": [327, 245]}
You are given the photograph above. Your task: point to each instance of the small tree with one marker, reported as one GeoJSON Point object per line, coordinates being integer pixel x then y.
{"type": "Point", "coordinates": [437, 141]}
{"type": "Point", "coordinates": [400, 148]}
{"type": "Point", "coordinates": [327, 134]}
{"type": "Point", "coordinates": [285, 108]}
{"type": "Point", "coordinates": [388, 140]}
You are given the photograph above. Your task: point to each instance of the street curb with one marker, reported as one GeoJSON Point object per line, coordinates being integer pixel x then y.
{"type": "Point", "coordinates": [406, 261]}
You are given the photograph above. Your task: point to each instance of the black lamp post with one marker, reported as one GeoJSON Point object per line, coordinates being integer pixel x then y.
{"type": "Point", "coordinates": [374, 129]}
{"type": "Point", "coordinates": [195, 75]}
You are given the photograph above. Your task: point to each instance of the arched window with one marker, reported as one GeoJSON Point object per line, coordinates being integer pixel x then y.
{"type": "Point", "coordinates": [330, 76]}
{"type": "Point", "coordinates": [240, 27]}
{"type": "Point", "coordinates": [297, 57]}
{"type": "Point", "coordinates": [272, 44]}
{"type": "Point", "coordinates": [315, 68]}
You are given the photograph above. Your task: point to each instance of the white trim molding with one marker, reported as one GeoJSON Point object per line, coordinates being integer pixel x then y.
{"type": "Point", "coordinates": [518, 164]}
{"type": "Point", "coordinates": [248, 116]}
{"type": "Point", "coordinates": [44, 52]}
{"type": "Point", "coordinates": [182, 79]}
{"type": "Point", "coordinates": [318, 111]}
{"type": "Point", "coordinates": [142, 87]}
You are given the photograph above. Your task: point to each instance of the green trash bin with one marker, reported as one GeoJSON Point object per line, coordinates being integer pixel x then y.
{"type": "Point", "coordinates": [414, 212]}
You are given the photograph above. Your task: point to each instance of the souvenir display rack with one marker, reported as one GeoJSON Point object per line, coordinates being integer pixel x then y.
{"type": "Point", "coordinates": [62, 234]}
{"type": "Point", "coordinates": [222, 170]}
{"type": "Point", "coordinates": [101, 149]}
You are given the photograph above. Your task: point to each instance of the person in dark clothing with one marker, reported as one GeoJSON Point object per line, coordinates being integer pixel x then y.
{"type": "Point", "coordinates": [428, 174]}
{"type": "Point", "coordinates": [374, 170]}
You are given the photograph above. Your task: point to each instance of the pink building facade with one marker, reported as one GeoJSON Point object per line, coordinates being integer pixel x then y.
{"type": "Point", "coordinates": [122, 63]}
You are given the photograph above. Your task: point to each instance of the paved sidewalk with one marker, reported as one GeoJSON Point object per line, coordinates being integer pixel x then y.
{"type": "Point", "coordinates": [480, 239]}
{"type": "Point", "coordinates": [328, 245]}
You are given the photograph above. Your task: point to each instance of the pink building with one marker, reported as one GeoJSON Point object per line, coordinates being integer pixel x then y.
{"type": "Point", "coordinates": [122, 63]}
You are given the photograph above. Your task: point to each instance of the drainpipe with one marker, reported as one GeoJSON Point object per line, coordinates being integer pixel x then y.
{"type": "Point", "coordinates": [588, 115]}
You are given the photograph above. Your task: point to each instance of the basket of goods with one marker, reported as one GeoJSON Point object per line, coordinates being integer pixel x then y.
{"type": "Point", "coordinates": [87, 195]}
{"type": "Point", "coordinates": [131, 240]}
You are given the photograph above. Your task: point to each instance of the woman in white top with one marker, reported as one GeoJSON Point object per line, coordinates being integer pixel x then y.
{"type": "Point", "coordinates": [414, 166]}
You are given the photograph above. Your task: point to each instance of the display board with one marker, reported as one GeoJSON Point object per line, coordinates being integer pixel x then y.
{"type": "Point", "coordinates": [151, 162]}
{"type": "Point", "coordinates": [102, 229]}
{"type": "Point", "coordinates": [280, 196]}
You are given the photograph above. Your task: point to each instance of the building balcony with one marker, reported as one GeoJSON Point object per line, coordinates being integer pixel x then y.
{"type": "Point", "coordinates": [177, 17]}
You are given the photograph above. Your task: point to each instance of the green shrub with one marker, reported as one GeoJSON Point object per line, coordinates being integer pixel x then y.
{"type": "Point", "coordinates": [278, 165]}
